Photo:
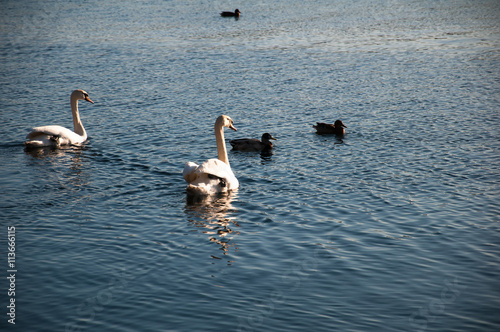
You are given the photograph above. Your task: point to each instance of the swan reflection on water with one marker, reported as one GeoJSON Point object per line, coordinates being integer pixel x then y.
{"type": "Point", "coordinates": [209, 214]}
{"type": "Point", "coordinates": [66, 163]}
{"type": "Point", "coordinates": [53, 151]}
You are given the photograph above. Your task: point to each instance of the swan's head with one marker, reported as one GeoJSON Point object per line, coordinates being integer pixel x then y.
{"type": "Point", "coordinates": [339, 124]}
{"type": "Point", "coordinates": [266, 137]}
{"type": "Point", "coordinates": [225, 121]}
{"type": "Point", "coordinates": [81, 95]}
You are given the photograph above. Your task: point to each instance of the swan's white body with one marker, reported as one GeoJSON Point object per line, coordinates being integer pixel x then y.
{"type": "Point", "coordinates": [57, 135]}
{"type": "Point", "coordinates": [214, 175]}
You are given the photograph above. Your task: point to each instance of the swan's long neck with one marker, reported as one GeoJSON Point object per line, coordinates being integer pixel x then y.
{"type": "Point", "coordinates": [221, 143]}
{"type": "Point", "coordinates": [77, 123]}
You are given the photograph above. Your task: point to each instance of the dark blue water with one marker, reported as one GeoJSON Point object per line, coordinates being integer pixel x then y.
{"type": "Point", "coordinates": [395, 227]}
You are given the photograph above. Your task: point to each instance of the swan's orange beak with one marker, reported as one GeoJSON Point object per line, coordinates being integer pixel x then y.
{"type": "Point", "coordinates": [88, 99]}
{"type": "Point", "coordinates": [232, 127]}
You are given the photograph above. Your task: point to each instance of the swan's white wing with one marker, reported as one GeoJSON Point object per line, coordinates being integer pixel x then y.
{"type": "Point", "coordinates": [221, 170]}
{"type": "Point", "coordinates": [50, 130]}
{"type": "Point", "coordinates": [210, 177]}
{"type": "Point", "coordinates": [189, 172]}
{"type": "Point", "coordinates": [64, 135]}
{"type": "Point", "coordinates": [217, 168]}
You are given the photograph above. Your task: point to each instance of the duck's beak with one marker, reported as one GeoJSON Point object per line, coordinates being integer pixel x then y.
{"type": "Point", "coordinates": [343, 125]}
{"type": "Point", "coordinates": [273, 138]}
{"type": "Point", "coordinates": [232, 127]}
{"type": "Point", "coordinates": [88, 99]}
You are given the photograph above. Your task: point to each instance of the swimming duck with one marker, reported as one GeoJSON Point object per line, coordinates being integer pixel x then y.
{"type": "Point", "coordinates": [231, 14]}
{"type": "Point", "coordinates": [253, 144]}
{"type": "Point", "coordinates": [326, 128]}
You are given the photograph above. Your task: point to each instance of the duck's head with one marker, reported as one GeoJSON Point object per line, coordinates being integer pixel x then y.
{"type": "Point", "coordinates": [266, 137]}
{"type": "Point", "coordinates": [237, 12]}
{"type": "Point", "coordinates": [339, 124]}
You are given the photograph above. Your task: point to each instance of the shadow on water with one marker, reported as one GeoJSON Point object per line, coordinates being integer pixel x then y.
{"type": "Point", "coordinates": [210, 214]}
{"type": "Point", "coordinates": [337, 139]}
{"type": "Point", "coordinates": [266, 155]}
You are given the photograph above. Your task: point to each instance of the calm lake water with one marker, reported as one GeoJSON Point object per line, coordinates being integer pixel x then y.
{"type": "Point", "coordinates": [395, 227]}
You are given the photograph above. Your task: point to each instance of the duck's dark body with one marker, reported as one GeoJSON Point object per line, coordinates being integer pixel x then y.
{"type": "Point", "coordinates": [326, 128]}
{"type": "Point", "coordinates": [253, 144]}
{"type": "Point", "coordinates": [231, 14]}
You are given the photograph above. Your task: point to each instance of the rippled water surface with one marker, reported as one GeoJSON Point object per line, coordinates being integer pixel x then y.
{"type": "Point", "coordinates": [395, 227]}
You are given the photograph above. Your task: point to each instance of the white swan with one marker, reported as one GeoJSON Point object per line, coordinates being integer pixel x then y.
{"type": "Point", "coordinates": [57, 135]}
{"type": "Point", "coordinates": [214, 175]}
